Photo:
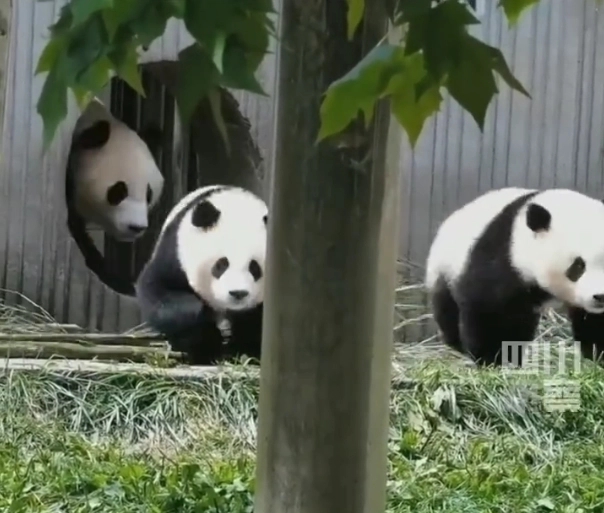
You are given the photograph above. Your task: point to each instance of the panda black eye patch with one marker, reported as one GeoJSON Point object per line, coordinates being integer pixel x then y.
{"type": "Point", "coordinates": [255, 270]}
{"type": "Point", "coordinates": [117, 193]}
{"type": "Point", "coordinates": [576, 269]}
{"type": "Point", "coordinates": [149, 194]}
{"type": "Point", "coordinates": [221, 265]}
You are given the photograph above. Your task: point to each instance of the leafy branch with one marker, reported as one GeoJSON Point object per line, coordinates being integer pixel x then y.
{"type": "Point", "coordinates": [436, 53]}
{"type": "Point", "coordinates": [95, 39]}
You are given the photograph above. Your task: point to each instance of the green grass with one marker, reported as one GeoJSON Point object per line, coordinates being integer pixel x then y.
{"type": "Point", "coordinates": [460, 441]}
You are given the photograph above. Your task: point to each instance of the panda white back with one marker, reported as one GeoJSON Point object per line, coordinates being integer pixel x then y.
{"type": "Point", "coordinates": [456, 236]}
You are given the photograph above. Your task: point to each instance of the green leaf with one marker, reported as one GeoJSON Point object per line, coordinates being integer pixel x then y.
{"type": "Point", "coordinates": [265, 6]}
{"type": "Point", "coordinates": [83, 9]}
{"type": "Point", "coordinates": [197, 75]}
{"type": "Point", "coordinates": [410, 107]}
{"type": "Point", "coordinates": [253, 32]}
{"type": "Point", "coordinates": [96, 76]}
{"type": "Point", "coordinates": [359, 89]}
{"type": "Point", "coordinates": [514, 8]}
{"type": "Point", "coordinates": [204, 19]}
{"type": "Point", "coordinates": [52, 104]}
{"type": "Point", "coordinates": [215, 99]}
{"type": "Point", "coordinates": [499, 64]}
{"type": "Point", "coordinates": [354, 16]}
{"type": "Point", "coordinates": [454, 58]}
{"type": "Point", "coordinates": [125, 63]}
{"type": "Point", "coordinates": [218, 52]}
{"type": "Point", "coordinates": [111, 24]}
{"type": "Point", "coordinates": [82, 96]}
{"type": "Point", "coordinates": [409, 9]}
{"type": "Point", "coordinates": [123, 13]}
{"type": "Point", "coordinates": [237, 72]}
{"type": "Point", "coordinates": [63, 24]}
{"type": "Point", "coordinates": [412, 112]}
{"type": "Point", "coordinates": [472, 84]}
{"type": "Point", "coordinates": [177, 8]}
{"type": "Point", "coordinates": [87, 46]}
{"type": "Point", "coordinates": [439, 33]}
{"type": "Point", "coordinates": [50, 54]}
{"type": "Point", "coordinates": [151, 22]}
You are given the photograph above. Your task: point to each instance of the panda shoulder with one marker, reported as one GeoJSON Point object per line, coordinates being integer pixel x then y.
{"type": "Point", "coordinates": [458, 233]}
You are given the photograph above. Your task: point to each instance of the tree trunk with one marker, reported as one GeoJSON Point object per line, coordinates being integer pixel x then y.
{"type": "Point", "coordinates": [333, 230]}
{"type": "Point", "coordinates": [5, 21]}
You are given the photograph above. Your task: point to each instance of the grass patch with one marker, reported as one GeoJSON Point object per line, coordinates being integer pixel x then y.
{"type": "Point", "coordinates": [461, 440]}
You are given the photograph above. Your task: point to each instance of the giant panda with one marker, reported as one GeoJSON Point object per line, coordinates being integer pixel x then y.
{"type": "Point", "coordinates": [207, 267]}
{"type": "Point", "coordinates": [498, 260]}
{"type": "Point", "coordinates": [112, 182]}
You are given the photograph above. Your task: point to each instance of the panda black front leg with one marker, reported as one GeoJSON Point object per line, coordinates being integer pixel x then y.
{"type": "Point", "coordinates": [246, 333]}
{"type": "Point", "coordinates": [588, 330]}
{"type": "Point", "coordinates": [483, 332]}
{"type": "Point", "coordinates": [170, 312]}
{"type": "Point", "coordinates": [203, 345]}
{"type": "Point", "coordinates": [446, 314]}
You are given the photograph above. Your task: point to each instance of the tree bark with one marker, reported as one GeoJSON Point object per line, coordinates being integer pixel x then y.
{"type": "Point", "coordinates": [331, 265]}
{"type": "Point", "coordinates": [5, 21]}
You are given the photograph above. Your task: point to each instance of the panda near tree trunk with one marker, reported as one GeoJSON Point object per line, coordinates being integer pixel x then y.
{"type": "Point", "coordinates": [497, 261]}
{"type": "Point", "coordinates": [207, 267]}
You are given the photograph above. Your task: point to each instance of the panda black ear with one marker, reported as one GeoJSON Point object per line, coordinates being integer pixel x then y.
{"type": "Point", "coordinates": [205, 215]}
{"type": "Point", "coordinates": [265, 219]}
{"type": "Point", "coordinates": [538, 218]}
{"type": "Point", "coordinates": [94, 136]}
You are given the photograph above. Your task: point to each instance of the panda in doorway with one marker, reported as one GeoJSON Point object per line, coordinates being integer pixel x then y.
{"type": "Point", "coordinates": [498, 260]}
{"type": "Point", "coordinates": [112, 182]}
{"type": "Point", "coordinates": [207, 269]}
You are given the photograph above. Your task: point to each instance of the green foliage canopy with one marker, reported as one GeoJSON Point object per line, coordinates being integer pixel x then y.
{"type": "Point", "coordinates": [93, 40]}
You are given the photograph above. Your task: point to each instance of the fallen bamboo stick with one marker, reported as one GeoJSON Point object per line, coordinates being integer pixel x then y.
{"type": "Point", "coordinates": [83, 338]}
{"type": "Point", "coordinates": [36, 349]}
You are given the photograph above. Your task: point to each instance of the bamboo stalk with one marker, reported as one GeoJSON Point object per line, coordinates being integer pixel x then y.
{"type": "Point", "coordinates": [31, 349]}
{"type": "Point", "coordinates": [69, 328]}
{"type": "Point", "coordinates": [83, 338]}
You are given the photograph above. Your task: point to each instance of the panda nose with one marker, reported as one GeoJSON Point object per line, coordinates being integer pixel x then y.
{"type": "Point", "coordinates": [599, 298]}
{"type": "Point", "coordinates": [136, 228]}
{"type": "Point", "coordinates": [238, 294]}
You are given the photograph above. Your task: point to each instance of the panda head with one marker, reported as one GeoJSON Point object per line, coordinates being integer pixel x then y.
{"type": "Point", "coordinates": [221, 244]}
{"type": "Point", "coordinates": [115, 178]}
{"type": "Point", "coordinates": [559, 242]}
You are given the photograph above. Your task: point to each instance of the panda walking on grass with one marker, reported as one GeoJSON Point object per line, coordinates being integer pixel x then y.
{"type": "Point", "coordinates": [208, 267]}
{"type": "Point", "coordinates": [498, 260]}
